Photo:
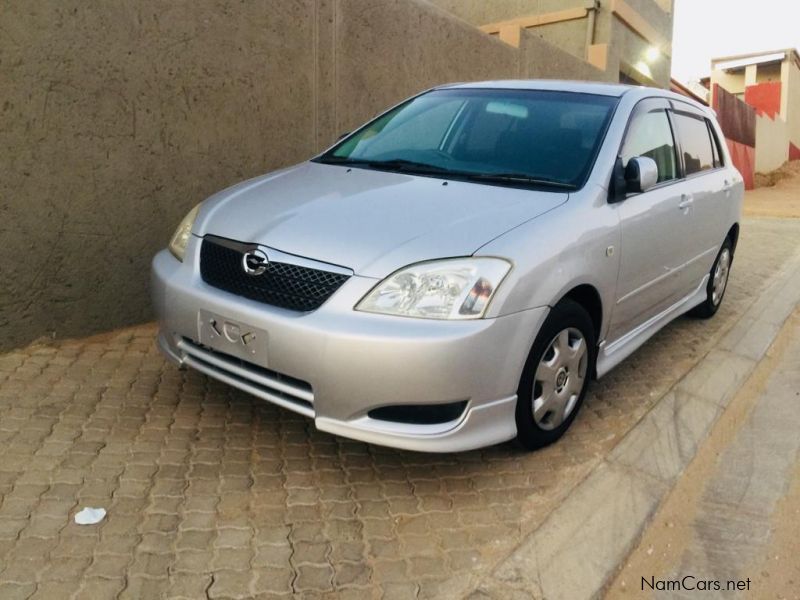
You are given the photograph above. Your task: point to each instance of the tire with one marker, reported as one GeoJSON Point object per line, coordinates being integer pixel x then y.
{"type": "Point", "coordinates": [552, 389]}
{"type": "Point", "coordinates": [717, 283]}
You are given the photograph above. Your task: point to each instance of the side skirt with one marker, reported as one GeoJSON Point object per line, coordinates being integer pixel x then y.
{"type": "Point", "coordinates": [610, 355]}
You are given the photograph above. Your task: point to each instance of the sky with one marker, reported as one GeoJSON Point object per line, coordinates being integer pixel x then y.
{"type": "Point", "coordinates": [706, 29]}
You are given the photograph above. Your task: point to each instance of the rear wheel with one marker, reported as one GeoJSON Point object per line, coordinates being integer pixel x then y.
{"type": "Point", "coordinates": [717, 283]}
{"type": "Point", "coordinates": [556, 376]}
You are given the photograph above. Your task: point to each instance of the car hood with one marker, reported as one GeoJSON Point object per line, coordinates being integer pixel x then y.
{"type": "Point", "coordinates": [373, 222]}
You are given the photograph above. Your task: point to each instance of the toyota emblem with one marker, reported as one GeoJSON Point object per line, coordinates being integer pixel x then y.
{"type": "Point", "coordinates": [255, 262]}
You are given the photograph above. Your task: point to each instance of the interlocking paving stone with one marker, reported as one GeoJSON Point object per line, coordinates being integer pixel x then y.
{"type": "Point", "coordinates": [212, 492]}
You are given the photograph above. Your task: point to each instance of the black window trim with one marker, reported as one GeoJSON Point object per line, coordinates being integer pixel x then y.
{"type": "Point", "coordinates": [715, 144]}
{"type": "Point", "coordinates": [694, 112]}
{"type": "Point", "coordinates": [671, 107]}
{"type": "Point", "coordinates": [679, 176]}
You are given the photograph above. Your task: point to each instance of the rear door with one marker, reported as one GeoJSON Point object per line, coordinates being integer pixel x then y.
{"type": "Point", "coordinates": [709, 186]}
{"type": "Point", "coordinates": [656, 226]}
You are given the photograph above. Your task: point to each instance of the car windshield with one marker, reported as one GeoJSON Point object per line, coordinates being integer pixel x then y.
{"type": "Point", "coordinates": [514, 137]}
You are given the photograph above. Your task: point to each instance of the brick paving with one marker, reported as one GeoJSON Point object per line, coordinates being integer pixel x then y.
{"type": "Point", "coordinates": [213, 493]}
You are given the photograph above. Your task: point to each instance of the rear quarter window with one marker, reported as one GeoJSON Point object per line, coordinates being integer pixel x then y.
{"type": "Point", "coordinates": [695, 142]}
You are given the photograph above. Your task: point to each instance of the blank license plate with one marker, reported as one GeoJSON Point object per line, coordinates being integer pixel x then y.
{"type": "Point", "coordinates": [232, 337]}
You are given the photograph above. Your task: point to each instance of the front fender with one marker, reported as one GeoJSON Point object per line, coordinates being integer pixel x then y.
{"type": "Point", "coordinates": [577, 243]}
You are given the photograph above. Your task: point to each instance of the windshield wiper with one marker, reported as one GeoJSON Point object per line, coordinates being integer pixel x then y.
{"type": "Point", "coordinates": [398, 164]}
{"type": "Point", "coordinates": [520, 178]}
{"type": "Point", "coordinates": [410, 166]}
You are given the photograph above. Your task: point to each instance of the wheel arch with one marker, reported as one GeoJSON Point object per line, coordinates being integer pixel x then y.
{"type": "Point", "coordinates": [589, 298]}
{"type": "Point", "coordinates": [733, 236]}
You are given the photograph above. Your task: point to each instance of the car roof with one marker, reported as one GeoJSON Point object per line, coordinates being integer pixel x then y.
{"type": "Point", "coordinates": [585, 87]}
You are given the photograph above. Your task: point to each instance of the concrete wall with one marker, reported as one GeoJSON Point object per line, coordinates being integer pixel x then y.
{"type": "Point", "coordinates": [626, 48]}
{"type": "Point", "coordinates": [733, 82]}
{"type": "Point", "coordinates": [481, 12]}
{"type": "Point", "coordinates": [790, 104]}
{"type": "Point", "coordinates": [569, 36]}
{"type": "Point", "coordinates": [118, 117]}
{"type": "Point", "coordinates": [772, 143]}
{"type": "Point", "coordinates": [538, 61]}
{"type": "Point", "coordinates": [385, 51]}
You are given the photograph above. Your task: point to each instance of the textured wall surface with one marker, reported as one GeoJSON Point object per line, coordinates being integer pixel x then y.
{"type": "Point", "coordinates": [772, 143]}
{"type": "Point", "coordinates": [626, 48]}
{"type": "Point", "coordinates": [388, 50]}
{"type": "Point", "coordinates": [539, 62]}
{"type": "Point", "coordinates": [118, 117]}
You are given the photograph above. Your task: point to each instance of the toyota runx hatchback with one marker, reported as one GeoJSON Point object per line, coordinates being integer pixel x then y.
{"type": "Point", "coordinates": [454, 273]}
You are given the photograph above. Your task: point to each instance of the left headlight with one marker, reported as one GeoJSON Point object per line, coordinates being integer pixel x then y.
{"type": "Point", "coordinates": [177, 245]}
{"type": "Point", "coordinates": [458, 288]}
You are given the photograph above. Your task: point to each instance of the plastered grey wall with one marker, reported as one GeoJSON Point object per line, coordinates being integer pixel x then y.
{"type": "Point", "coordinates": [118, 117]}
{"type": "Point", "coordinates": [538, 61]}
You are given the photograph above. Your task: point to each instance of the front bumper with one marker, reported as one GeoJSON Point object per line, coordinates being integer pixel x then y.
{"type": "Point", "coordinates": [354, 361]}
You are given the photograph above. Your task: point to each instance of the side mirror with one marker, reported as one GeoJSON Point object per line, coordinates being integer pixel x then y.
{"type": "Point", "coordinates": [641, 174]}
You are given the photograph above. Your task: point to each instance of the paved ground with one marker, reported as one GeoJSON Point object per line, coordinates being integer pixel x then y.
{"type": "Point", "coordinates": [212, 492]}
{"type": "Point", "coordinates": [734, 516]}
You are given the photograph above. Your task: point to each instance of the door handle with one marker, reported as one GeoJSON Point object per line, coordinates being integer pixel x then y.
{"type": "Point", "coordinates": [686, 202]}
{"type": "Point", "coordinates": [726, 187]}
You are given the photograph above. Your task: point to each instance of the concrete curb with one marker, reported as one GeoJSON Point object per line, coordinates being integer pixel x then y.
{"type": "Point", "coordinates": [579, 547]}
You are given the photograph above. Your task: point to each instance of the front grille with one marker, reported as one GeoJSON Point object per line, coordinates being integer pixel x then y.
{"type": "Point", "coordinates": [282, 284]}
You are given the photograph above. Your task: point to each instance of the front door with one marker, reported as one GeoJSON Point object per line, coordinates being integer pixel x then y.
{"type": "Point", "coordinates": [656, 227]}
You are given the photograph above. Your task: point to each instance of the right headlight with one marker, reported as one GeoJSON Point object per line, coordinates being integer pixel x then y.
{"type": "Point", "coordinates": [177, 245]}
{"type": "Point", "coordinates": [458, 288]}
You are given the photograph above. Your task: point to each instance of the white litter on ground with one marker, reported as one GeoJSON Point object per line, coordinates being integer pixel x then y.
{"type": "Point", "coordinates": [90, 516]}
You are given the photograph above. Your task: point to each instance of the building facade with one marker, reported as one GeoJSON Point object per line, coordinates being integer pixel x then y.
{"type": "Point", "coordinates": [630, 41]}
{"type": "Point", "coordinates": [769, 82]}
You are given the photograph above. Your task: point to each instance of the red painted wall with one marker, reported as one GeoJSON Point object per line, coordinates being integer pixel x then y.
{"type": "Point", "coordinates": [744, 159]}
{"type": "Point", "coordinates": [794, 152]}
{"type": "Point", "coordinates": [765, 98]}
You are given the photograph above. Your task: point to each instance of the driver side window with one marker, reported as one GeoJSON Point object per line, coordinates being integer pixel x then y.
{"type": "Point", "coordinates": [650, 135]}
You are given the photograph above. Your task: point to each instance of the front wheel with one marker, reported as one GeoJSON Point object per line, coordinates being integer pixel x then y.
{"type": "Point", "coordinates": [556, 376]}
{"type": "Point", "coordinates": [717, 283]}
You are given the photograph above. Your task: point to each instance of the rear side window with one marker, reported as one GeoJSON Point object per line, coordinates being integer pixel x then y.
{"type": "Point", "coordinates": [698, 154]}
{"type": "Point", "coordinates": [650, 135]}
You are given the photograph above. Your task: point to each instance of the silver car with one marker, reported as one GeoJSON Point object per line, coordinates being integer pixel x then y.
{"type": "Point", "coordinates": [453, 273]}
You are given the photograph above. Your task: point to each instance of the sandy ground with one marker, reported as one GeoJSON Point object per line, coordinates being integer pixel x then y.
{"type": "Point", "coordinates": [780, 200]}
